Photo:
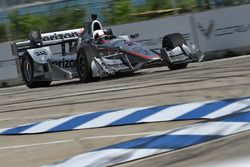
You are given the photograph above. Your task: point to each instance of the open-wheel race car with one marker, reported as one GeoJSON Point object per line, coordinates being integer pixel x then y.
{"type": "Point", "coordinates": [94, 52]}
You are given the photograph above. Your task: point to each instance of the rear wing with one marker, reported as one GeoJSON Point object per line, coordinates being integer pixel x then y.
{"type": "Point", "coordinates": [48, 39]}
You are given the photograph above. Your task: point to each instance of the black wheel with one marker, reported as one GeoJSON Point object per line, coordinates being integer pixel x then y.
{"type": "Point", "coordinates": [177, 66]}
{"type": "Point", "coordinates": [83, 67]}
{"type": "Point", "coordinates": [27, 69]}
{"type": "Point", "coordinates": [171, 41]}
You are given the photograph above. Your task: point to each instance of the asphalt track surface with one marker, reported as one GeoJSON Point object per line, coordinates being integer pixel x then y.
{"type": "Point", "coordinates": [220, 79]}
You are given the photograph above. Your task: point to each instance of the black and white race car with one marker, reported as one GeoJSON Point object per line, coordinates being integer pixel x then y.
{"type": "Point", "coordinates": [93, 52]}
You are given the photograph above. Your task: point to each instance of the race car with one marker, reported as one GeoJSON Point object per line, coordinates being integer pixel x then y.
{"type": "Point", "coordinates": [94, 52]}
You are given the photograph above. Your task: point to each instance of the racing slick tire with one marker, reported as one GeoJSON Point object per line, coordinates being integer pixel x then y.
{"type": "Point", "coordinates": [171, 41]}
{"type": "Point", "coordinates": [27, 69]}
{"type": "Point", "coordinates": [83, 67]}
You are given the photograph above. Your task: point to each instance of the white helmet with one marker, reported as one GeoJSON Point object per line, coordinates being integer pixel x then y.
{"type": "Point", "coordinates": [98, 33]}
{"type": "Point", "coordinates": [100, 36]}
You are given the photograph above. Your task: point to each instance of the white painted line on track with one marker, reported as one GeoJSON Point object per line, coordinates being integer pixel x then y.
{"type": "Point", "coordinates": [239, 162]}
{"type": "Point", "coordinates": [43, 116]}
{"type": "Point", "coordinates": [36, 144]}
{"type": "Point", "coordinates": [81, 139]}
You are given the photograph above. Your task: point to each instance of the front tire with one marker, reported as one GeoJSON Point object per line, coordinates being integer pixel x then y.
{"type": "Point", "coordinates": [27, 69]}
{"type": "Point", "coordinates": [171, 41]}
{"type": "Point", "coordinates": [83, 67]}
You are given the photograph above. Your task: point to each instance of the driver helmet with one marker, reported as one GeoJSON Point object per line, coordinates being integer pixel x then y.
{"type": "Point", "coordinates": [100, 36]}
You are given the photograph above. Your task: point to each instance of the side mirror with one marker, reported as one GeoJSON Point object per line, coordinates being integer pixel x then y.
{"type": "Point", "coordinates": [109, 31]}
{"type": "Point", "coordinates": [94, 17]}
{"type": "Point", "coordinates": [134, 36]}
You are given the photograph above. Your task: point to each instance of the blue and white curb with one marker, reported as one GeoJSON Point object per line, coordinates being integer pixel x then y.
{"type": "Point", "coordinates": [161, 143]}
{"type": "Point", "coordinates": [189, 111]}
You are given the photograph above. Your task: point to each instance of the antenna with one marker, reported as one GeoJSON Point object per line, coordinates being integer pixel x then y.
{"type": "Point", "coordinates": [94, 17]}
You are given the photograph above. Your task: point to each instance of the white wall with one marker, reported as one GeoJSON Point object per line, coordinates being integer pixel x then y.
{"type": "Point", "coordinates": [8, 68]}
{"type": "Point", "coordinates": [5, 51]}
{"type": "Point", "coordinates": [151, 32]}
{"type": "Point", "coordinates": [223, 29]}
{"type": "Point", "coordinates": [214, 30]}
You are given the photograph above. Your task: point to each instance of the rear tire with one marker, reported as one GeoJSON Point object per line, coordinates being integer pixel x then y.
{"type": "Point", "coordinates": [177, 66]}
{"type": "Point", "coordinates": [27, 69]}
{"type": "Point", "coordinates": [83, 67]}
{"type": "Point", "coordinates": [171, 41]}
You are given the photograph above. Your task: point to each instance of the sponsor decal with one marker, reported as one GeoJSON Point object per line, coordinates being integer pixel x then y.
{"type": "Point", "coordinates": [210, 30]}
{"type": "Point", "coordinates": [206, 31]}
{"type": "Point", "coordinates": [56, 36]}
{"type": "Point", "coordinates": [40, 52]}
{"type": "Point", "coordinates": [65, 63]}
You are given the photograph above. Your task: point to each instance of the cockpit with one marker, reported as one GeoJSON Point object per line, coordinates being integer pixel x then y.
{"type": "Point", "coordinates": [96, 25]}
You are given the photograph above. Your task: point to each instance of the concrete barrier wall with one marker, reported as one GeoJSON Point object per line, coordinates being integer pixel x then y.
{"type": "Point", "coordinates": [8, 70]}
{"type": "Point", "coordinates": [151, 32]}
{"type": "Point", "coordinates": [223, 29]}
{"type": "Point", "coordinates": [5, 52]}
{"type": "Point", "coordinates": [216, 31]}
